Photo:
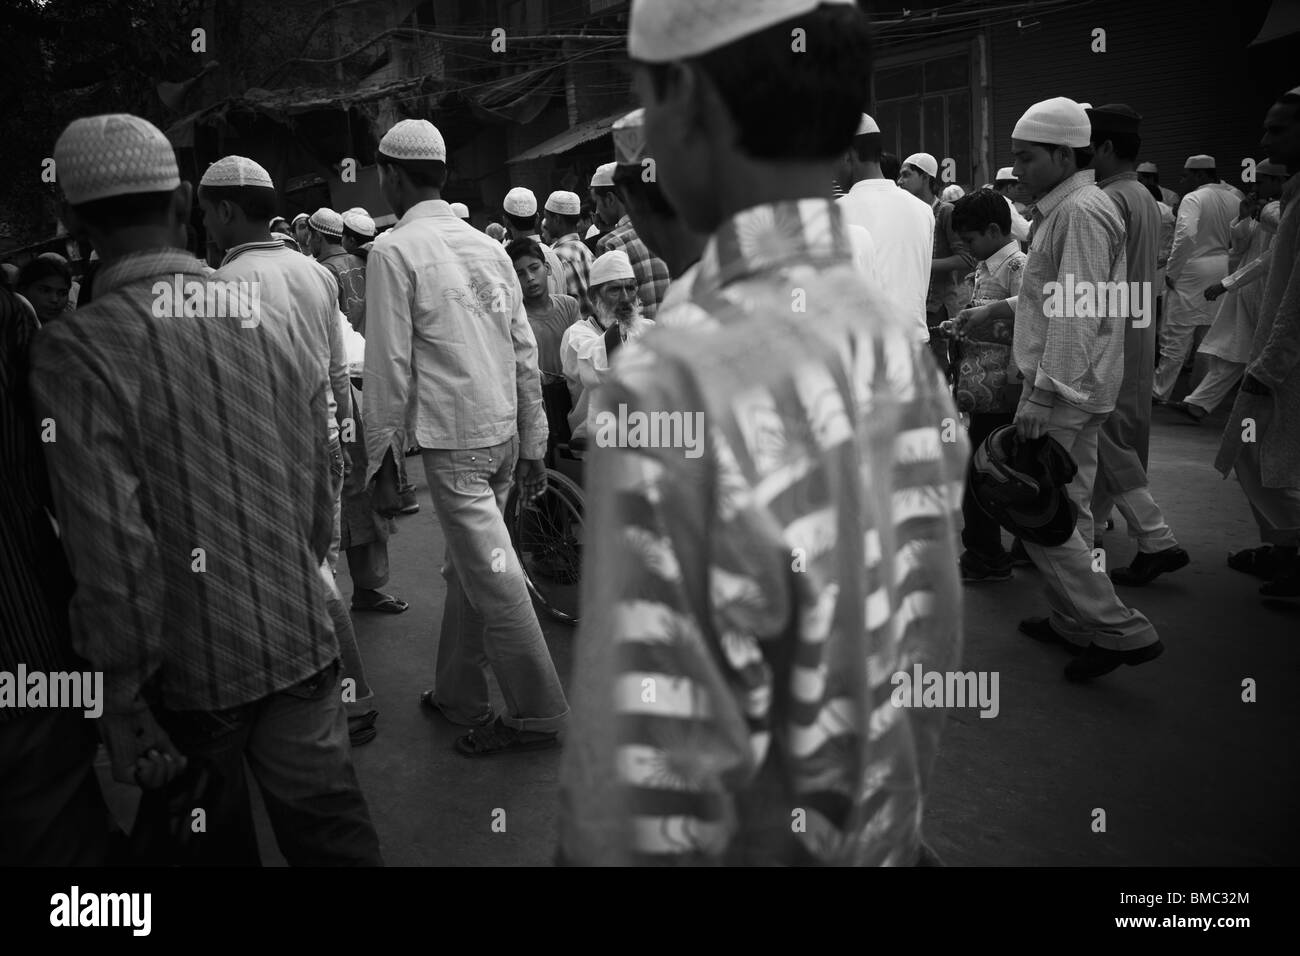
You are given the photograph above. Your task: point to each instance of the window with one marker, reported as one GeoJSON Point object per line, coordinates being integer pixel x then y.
{"type": "Point", "coordinates": [925, 106]}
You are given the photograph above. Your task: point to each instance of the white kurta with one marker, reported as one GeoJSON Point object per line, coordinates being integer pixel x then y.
{"type": "Point", "coordinates": [1234, 327]}
{"type": "Point", "coordinates": [1199, 257]}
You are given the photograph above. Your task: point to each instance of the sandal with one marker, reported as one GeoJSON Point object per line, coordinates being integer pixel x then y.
{"type": "Point", "coordinates": [497, 738]}
{"type": "Point", "coordinates": [389, 605]}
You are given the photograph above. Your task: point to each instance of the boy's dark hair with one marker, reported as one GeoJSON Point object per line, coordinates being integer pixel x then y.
{"type": "Point", "coordinates": [1082, 154]}
{"type": "Point", "coordinates": [890, 167]}
{"type": "Point", "coordinates": [868, 147]}
{"type": "Point", "coordinates": [792, 104]}
{"type": "Point", "coordinates": [1126, 145]}
{"type": "Point", "coordinates": [522, 222]}
{"type": "Point", "coordinates": [41, 268]}
{"type": "Point", "coordinates": [976, 211]}
{"type": "Point", "coordinates": [130, 209]}
{"type": "Point", "coordinates": [629, 180]}
{"type": "Point", "coordinates": [424, 173]}
{"type": "Point", "coordinates": [517, 249]}
{"type": "Point", "coordinates": [257, 203]}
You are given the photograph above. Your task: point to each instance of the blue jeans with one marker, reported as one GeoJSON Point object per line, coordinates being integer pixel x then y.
{"type": "Point", "coordinates": [488, 620]}
{"type": "Point", "coordinates": [296, 744]}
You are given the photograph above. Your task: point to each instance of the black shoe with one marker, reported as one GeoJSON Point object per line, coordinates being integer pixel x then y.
{"type": "Point", "coordinates": [1194, 412]}
{"type": "Point", "coordinates": [1019, 557]}
{"type": "Point", "coordinates": [1147, 567]}
{"type": "Point", "coordinates": [977, 569]}
{"type": "Point", "coordinates": [1095, 661]}
{"type": "Point", "coordinates": [1041, 630]}
{"type": "Point", "coordinates": [1264, 562]}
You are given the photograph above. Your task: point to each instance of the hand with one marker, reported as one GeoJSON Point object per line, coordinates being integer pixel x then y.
{"type": "Point", "coordinates": [140, 751]}
{"type": "Point", "coordinates": [385, 497]}
{"type": "Point", "coordinates": [531, 477]}
{"type": "Point", "coordinates": [1031, 420]}
{"type": "Point", "coordinates": [1214, 291]}
{"type": "Point", "coordinates": [948, 329]}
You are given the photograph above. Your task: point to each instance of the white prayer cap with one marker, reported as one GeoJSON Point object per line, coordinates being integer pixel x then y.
{"type": "Point", "coordinates": [236, 171]}
{"type": "Point", "coordinates": [1006, 175]}
{"type": "Point", "coordinates": [496, 231]}
{"type": "Point", "coordinates": [867, 125]}
{"type": "Point", "coordinates": [564, 202]}
{"type": "Point", "coordinates": [359, 209]}
{"type": "Point", "coordinates": [520, 202]}
{"type": "Point", "coordinates": [660, 31]}
{"type": "Point", "coordinates": [1270, 168]}
{"type": "Point", "coordinates": [592, 230]}
{"type": "Point", "coordinates": [1199, 161]}
{"type": "Point", "coordinates": [460, 210]}
{"type": "Point", "coordinates": [300, 217]}
{"type": "Point", "coordinates": [115, 154]}
{"type": "Point", "coordinates": [1147, 168]}
{"type": "Point", "coordinates": [924, 162]}
{"type": "Point", "coordinates": [275, 219]}
{"type": "Point", "coordinates": [604, 175]}
{"type": "Point", "coordinates": [414, 139]}
{"type": "Point", "coordinates": [327, 222]}
{"type": "Point", "coordinates": [1086, 106]}
{"type": "Point", "coordinates": [952, 193]}
{"type": "Point", "coordinates": [359, 223]}
{"type": "Point", "coordinates": [611, 266]}
{"type": "Point", "coordinates": [1058, 122]}
{"type": "Point", "coordinates": [629, 139]}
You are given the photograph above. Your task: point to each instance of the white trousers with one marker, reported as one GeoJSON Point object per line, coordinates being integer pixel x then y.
{"type": "Point", "coordinates": [1220, 376]}
{"type": "Point", "coordinates": [1146, 522]}
{"type": "Point", "coordinates": [1175, 345]}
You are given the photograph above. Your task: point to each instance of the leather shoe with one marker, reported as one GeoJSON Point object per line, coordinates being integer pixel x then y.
{"type": "Point", "coordinates": [1146, 567]}
{"type": "Point", "coordinates": [1095, 661]}
{"type": "Point", "coordinates": [1041, 630]}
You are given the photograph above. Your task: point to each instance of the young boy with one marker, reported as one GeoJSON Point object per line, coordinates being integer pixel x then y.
{"type": "Point", "coordinates": [549, 315]}
{"type": "Point", "coordinates": [988, 385]}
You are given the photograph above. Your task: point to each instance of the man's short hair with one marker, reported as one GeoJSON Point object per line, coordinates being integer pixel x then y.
{"type": "Point", "coordinates": [976, 211]}
{"type": "Point", "coordinates": [890, 167]}
{"type": "Point", "coordinates": [1126, 145]}
{"type": "Point", "coordinates": [517, 249]}
{"type": "Point", "coordinates": [128, 210]}
{"type": "Point", "coordinates": [634, 186]}
{"type": "Point", "coordinates": [1082, 154]}
{"type": "Point", "coordinates": [356, 236]}
{"type": "Point", "coordinates": [522, 222]}
{"type": "Point", "coordinates": [255, 202]}
{"type": "Point", "coordinates": [567, 223]}
{"type": "Point", "coordinates": [423, 173]}
{"type": "Point", "coordinates": [868, 147]}
{"type": "Point", "coordinates": [792, 104]}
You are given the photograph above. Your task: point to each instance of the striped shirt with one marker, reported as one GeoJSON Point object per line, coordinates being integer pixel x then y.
{"type": "Point", "coordinates": [651, 272]}
{"type": "Point", "coordinates": [192, 486]}
{"type": "Point", "coordinates": [34, 581]}
{"type": "Point", "coordinates": [748, 598]}
{"type": "Point", "coordinates": [577, 261]}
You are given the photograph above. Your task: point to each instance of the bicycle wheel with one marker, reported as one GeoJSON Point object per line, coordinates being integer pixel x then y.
{"type": "Point", "coordinates": [547, 538]}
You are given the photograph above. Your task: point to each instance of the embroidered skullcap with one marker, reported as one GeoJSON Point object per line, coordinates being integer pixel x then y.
{"type": "Point", "coordinates": [236, 171]}
{"type": "Point", "coordinates": [520, 201]}
{"type": "Point", "coordinates": [300, 218]}
{"type": "Point", "coordinates": [952, 193]}
{"type": "Point", "coordinates": [660, 31]}
{"type": "Point", "coordinates": [924, 162]}
{"type": "Point", "coordinates": [629, 139]}
{"type": "Point", "coordinates": [115, 154]}
{"type": "Point", "coordinates": [1199, 161]}
{"type": "Point", "coordinates": [1058, 122]}
{"type": "Point", "coordinates": [611, 266]}
{"type": "Point", "coordinates": [327, 222]}
{"type": "Point", "coordinates": [413, 139]}
{"type": "Point", "coordinates": [359, 223]}
{"type": "Point", "coordinates": [564, 202]}
{"type": "Point", "coordinates": [460, 210]}
{"type": "Point", "coordinates": [604, 175]}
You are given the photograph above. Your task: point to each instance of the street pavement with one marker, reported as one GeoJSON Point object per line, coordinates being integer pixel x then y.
{"type": "Point", "coordinates": [1186, 772]}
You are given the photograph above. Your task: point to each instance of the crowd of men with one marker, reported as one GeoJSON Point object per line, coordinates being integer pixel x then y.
{"type": "Point", "coordinates": [180, 482]}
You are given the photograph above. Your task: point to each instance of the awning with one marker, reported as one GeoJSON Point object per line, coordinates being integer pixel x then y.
{"type": "Point", "coordinates": [574, 136]}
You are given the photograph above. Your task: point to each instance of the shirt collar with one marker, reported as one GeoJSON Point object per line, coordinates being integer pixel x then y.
{"type": "Point", "coordinates": [262, 244]}
{"type": "Point", "coordinates": [773, 235]}
{"type": "Point", "coordinates": [428, 209]}
{"type": "Point", "coordinates": [1118, 177]}
{"type": "Point", "coordinates": [1067, 187]}
{"type": "Point", "coordinates": [994, 262]}
{"type": "Point", "coordinates": [148, 263]}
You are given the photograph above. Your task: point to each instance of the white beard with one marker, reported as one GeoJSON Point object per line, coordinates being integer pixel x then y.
{"type": "Point", "coordinates": [606, 316]}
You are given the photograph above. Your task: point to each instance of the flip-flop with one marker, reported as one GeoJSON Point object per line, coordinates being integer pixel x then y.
{"type": "Point", "coordinates": [497, 738]}
{"type": "Point", "coordinates": [389, 605]}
